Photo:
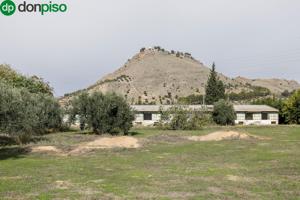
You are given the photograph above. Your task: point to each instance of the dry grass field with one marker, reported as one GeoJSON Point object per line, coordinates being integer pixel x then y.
{"type": "Point", "coordinates": [155, 164]}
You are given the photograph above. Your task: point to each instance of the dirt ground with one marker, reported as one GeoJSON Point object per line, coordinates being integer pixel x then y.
{"type": "Point", "coordinates": [100, 143]}
{"type": "Point", "coordinates": [45, 149]}
{"type": "Point", "coordinates": [224, 135]}
{"type": "Point", "coordinates": [131, 142]}
{"type": "Point", "coordinates": [107, 143]}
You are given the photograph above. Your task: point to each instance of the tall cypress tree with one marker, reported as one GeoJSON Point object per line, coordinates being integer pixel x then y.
{"type": "Point", "coordinates": [215, 89]}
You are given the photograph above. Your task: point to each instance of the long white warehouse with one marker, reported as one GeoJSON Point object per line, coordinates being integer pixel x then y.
{"type": "Point", "coordinates": [149, 115]}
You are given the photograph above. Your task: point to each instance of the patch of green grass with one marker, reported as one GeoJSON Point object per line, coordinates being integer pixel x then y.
{"type": "Point", "coordinates": [165, 167]}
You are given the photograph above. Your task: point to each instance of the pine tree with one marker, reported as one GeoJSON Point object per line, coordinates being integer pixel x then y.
{"type": "Point", "coordinates": [215, 89]}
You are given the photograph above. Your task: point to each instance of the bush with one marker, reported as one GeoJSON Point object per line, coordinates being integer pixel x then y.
{"type": "Point", "coordinates": [179, 118]}
{"type": "Point", "coordinates": [291, 108]}
{"type": "Point", "coordinates": [191, 100]}
{"type": "Point", "coordinates": [255, 93]}
{"type": "Point", "coordinates": [223, 113]}
{"type": "Point", "coordinates": [285, 93]}
{"type": "Point", "coordinates": [142, 49]}
{"type": "Point", "coordinates": [198, 120]}
{"type": "Point", "coordinates": [104, 113]}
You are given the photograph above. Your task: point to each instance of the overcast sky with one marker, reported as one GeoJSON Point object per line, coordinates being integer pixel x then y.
{"type": "Point", "coordinates": [251, 38]}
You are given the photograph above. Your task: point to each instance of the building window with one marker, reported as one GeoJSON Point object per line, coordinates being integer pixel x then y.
{"type": "Point", "coordinates": [273, 116]}
{"type": "Point", "coordinates": [249, 116]}
{"type": "Point", "coordinates": [256, 116]}
{"type": "Point", "coordinates": [147, 116]}
{"type": "Point", "coordinates": [264, 116]}
{"type": "Point", "coordinates": [240, 116]}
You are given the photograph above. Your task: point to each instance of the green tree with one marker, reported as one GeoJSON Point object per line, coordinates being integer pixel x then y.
{"type": "Point", "coordinates": [120, 114]}
{"type": "Point", "coordinates": [179, 119]}
{"type": "Point", "coordinates": [80, 109]}
{"type": "Point", "coordinates": [275, 103]}
{"type": "Point", "coordinates": [104, 113]}
{"type": "Point", "coordinates": [23, 113]}
{"type": "Point", "coordinates": [223, 113]}
{"type": "Point", "coordinates": [291, 108]}
{"type": "Point", "coordinates": [33, 84]}
{"type": "Point", "coordinates": [215, 89]}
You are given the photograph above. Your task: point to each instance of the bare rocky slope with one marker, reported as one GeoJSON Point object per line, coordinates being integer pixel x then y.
{"type": "Point", "coordinates": [158, 76]}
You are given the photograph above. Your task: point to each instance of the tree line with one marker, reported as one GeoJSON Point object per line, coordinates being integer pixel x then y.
{"type": "Point", "coordinates": [28, 107]}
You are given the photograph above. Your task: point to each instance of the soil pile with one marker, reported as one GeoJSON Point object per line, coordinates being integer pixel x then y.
{"type": "Point", "coordinates": [224, 135]}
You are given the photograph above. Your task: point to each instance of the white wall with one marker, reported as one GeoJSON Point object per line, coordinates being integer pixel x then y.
{"type": "Point", "coordinates": [139, 119]}
{"type": "Point", "coordinates": [257, 119]}
{"type": "Point", "coordinates": [241, 118]}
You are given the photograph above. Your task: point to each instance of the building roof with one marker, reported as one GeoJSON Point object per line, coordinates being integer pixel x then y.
{"type": "Point", "coordinates": [254, 108]}
{"type": "Point", "coordinates": [237, 108]}
{"type": "Point", "coordinates": [156, 108]}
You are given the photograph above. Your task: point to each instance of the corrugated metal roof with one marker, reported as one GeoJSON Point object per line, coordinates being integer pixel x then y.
{"type": "Point", "coordinates": [156, 108]}
{"type": "Point", "coordinates": [237, 108]}
{"type": "Point", "coordinates": [254, 108]}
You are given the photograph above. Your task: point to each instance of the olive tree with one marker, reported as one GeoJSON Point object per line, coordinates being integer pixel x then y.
{"type": "Point", "coordinates": [104, 113]}
{"type": "Point", "coordinates": [23, 113]}
{"type": "Point", "coordinates": [223, 113]}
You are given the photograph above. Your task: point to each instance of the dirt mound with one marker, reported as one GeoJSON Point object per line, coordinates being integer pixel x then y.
{"type": "Point", "coordinates": [108, 142]}
{"type": "Point", "coordinates": [224, 135]}
{"type": "Point", "coordinates": [62, 185]}
{"type": "Point", "coordinates": [45, 149]}
{"type": "Point", "coordinates": [101, 143]}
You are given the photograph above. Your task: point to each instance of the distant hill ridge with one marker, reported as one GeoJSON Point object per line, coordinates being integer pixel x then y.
{"type": "Point", "coordinates": [157, 76]}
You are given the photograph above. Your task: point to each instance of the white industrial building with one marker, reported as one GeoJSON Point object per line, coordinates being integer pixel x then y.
{"type": "Point", "coordinates": [256, 115]}
{"type": "Point", "coordinates": [149, 115]}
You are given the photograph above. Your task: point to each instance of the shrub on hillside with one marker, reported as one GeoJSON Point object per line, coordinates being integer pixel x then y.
{"type": "Point", "coordinates": [223, 113]}
{"type": "Point", "coordinates": [248, 95]}
{"type": "Point", "coordinates": [142, 49]}
{"type": "Point", "coordinates": [191, 100]}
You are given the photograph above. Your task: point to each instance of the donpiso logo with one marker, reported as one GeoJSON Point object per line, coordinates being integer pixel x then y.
{"type": "Point", "coordinates": [8, 7]}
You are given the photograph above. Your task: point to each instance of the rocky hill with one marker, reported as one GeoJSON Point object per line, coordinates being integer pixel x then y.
{"type": "Point", "coordinates": [158, 76]}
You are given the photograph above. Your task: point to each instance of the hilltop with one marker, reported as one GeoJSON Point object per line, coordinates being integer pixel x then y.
{"type": "Point", "coordinates": [155, 75]}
